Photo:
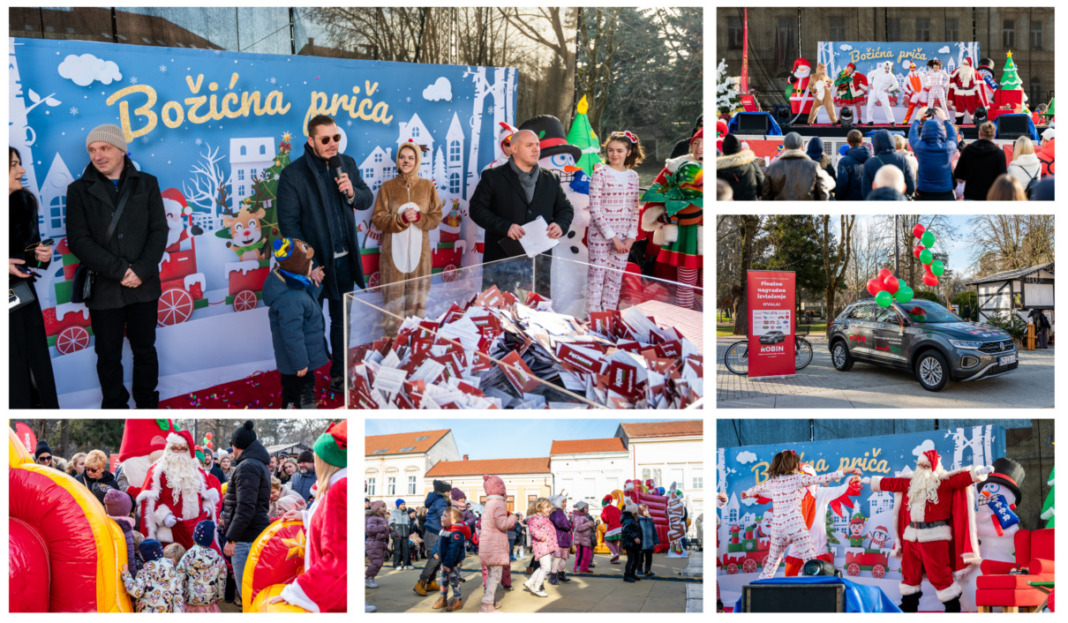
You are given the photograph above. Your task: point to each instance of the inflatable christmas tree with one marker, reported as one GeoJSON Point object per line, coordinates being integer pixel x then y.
{"type": "Point", "coordinates": [581, 135]}
{"type": "Point", "coordinates": [1047, 506]}
{"type": "Point", "coordinates": [728, 99]}
{"type": "Point", "coordinates": [1010, 78]}
{"type": "Point", "coordinates": [1009, 98]}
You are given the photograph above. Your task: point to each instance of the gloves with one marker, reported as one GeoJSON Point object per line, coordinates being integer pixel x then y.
{"type": "Point", "coordinates": [984, 470]}
{"type": "Point", "coordinates": [170, 521]}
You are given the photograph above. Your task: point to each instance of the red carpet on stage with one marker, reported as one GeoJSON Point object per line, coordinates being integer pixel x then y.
{"type": "Point", "coordinates": [261, 390]}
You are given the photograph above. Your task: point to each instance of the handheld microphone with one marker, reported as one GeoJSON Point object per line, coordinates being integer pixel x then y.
{"type": "Point", "coordinates": [335, 164]}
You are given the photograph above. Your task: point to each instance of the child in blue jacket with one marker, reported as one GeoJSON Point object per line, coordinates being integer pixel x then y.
{"type": "Point", "coordinates": [297, 327]}
{"type": "Point", "coordinates": [450, 550]}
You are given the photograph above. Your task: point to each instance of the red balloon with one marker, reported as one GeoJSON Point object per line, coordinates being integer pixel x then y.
{"type": "Point", "coordinates": [918, 230]}
{"type": "Point", "coordinates": [875, 286]}
{"type": "Point", "coordinates": [927, 269]}
{"type": "Point", "coordinates": [884, 273]}
{"type": "Point", "coordinates": [891, 284]}
{"type": "Point", "coordinates": [916, 251]}
{"type": "Point", "coordinates": [209, 445]}
{"type": "Point", "coordinates": [207, 435]}
{"type": "Point", "coordinates": [930, 280]}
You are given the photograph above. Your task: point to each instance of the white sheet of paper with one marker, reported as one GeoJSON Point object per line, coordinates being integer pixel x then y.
{"type": "Point", "coordinates": [429, 371]}
{"type": "Point", "coordinates": [640, 323]}
{"type": "Point", "coordinates": [463, 331]}
{"type": "Point", "coordinates": [391, 360]}
{"type": "Point", "coordinates": [389, 381]}
{"type": "Point", "coordinates": [536, 239]}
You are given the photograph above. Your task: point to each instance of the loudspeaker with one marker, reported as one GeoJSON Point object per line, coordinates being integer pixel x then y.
{"type": "Point", "coordinates": [1011, 127]}
{"type": "Point", "coordinates": [793, 598]}
{"type": "Point", "coordinates": [752, 123]}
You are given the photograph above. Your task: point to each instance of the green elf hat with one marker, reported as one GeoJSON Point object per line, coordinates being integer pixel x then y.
{"type": "Point", "coordinates": [200, 454]}
{"type": "Point", "coordinates": [332, 446]}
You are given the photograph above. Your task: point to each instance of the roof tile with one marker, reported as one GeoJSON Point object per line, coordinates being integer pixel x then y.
{"type": "Point", "coordinates": [537, 465]}
{"type": "Point", "coordinates": [587, 446]}
{"type": "Point", "coordinates": [380, 445]}
{"type": "Point", "coordinates": [642, 430]}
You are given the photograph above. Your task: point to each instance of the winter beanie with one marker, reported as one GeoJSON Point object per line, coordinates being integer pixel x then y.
{"type": "Point", "coordinates": [243, 436]}
{"type": "Point", "coordinates": [204, 533]}
{"type": "Point", "coordinates": [581, 506]}
{"type": "Point", "coordinates": [108, 133]}
{"type": "Point", "coordinates": [42, 447]}
{"type": "Point", "coordinates": [792, 141]}
{"type": "Point", "coordinates": [442, 487]}
{"type": "Point", "coordinates": [731, 145]}
{"type": "Point", "coordinates": [306, 457]}
{"type": "Point", "coordinates": [332, 446]}
{"type": "Point", "coordinates": [150, 550]}
{"type": "Point", "coordinates": [457, 495]}
{"type": "Point", "coordinates": [606, 500]}
{"type": "Point", "coordinates": [293, 255]}
{"type": "Point", "coordinates": [399, 502]}
{"type": "Point", "coordinates": [200, 455]}
{"type": "Point", "coordinates": [815, 148]}
{"type": "Point", "coordinates": [118, 503]}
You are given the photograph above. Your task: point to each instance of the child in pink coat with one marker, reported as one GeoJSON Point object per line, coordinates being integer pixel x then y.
{"type": "Point", "coordinates": [376, 536]}
{"type": "Point", "coordinates": [542, 541]}
{"type": "Point", "coordinates": [583, 531]}
{"type": "Point", "coordinates": [493, 542]}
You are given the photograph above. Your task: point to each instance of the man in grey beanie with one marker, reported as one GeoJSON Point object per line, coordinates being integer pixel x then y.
{"type": "Point", "coordinates": [794, 176]}
{"type": "Point", "coordinates": [117, 228]}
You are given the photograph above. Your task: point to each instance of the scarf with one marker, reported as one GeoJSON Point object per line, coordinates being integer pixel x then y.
{"type": "Point", "coordinates": [528, 180]}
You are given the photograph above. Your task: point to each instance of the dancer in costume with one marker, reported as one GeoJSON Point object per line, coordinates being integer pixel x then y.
{"type": "Point", "coordinates": [936, 82]}
{"type": "Point", "coordinates": [820, 87]}
{"type": "Point", "coordinates": [987, 82]}
{"type": "Point", "coordinates": [883, 82]}
{"type": "Point", "coordinates": [611, 517]}
{"type": "Point", "coordinates": [851, 87]}
{"type": "Point", "coordinates": [915, 93]}
{"type": "Point", "coordinates": [966, 82]}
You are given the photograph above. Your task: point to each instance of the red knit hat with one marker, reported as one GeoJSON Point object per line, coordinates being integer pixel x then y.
{"type": "Point", "coordinates": [700, 135]}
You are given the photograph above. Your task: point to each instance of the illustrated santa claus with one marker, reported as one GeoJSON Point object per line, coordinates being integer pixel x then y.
{"type": "Point", "coordinates": [965, 92]}
{"type": "Point", "coordinates": [814, 505]}
{"type": "Point", "coordinates": [176, 494]}
{"type": "Point", "coordinates": [934, 512]}
{"type": "Point", "coordinates": [177, 212]}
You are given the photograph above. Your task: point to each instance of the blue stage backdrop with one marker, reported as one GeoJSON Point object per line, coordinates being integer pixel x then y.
{"type": "Point", "coordinates": [745, 524]}
{"type": "Point", "coordinates": [216, 128]}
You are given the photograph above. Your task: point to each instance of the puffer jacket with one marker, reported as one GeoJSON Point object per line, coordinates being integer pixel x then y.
{"type": "Point", "coordinates": [1025, 167]}
{"type": "Point", "coordinates": [248, 496]}
{"type": "Point", "coordinates": [493, 541]}
{"type": "Point", "coordinates": [632, 531]}
{"type": "Point", "coordinates": [583, 528]}
{"type": "Point", "coordinates": [934, 145]}
{"type": "Point", "coordinates": [883, 145]}
{"type": "Point", "coordinates": [297, 325]}
{"type": "Point", "coordinates": [850, 179]}
{"type": "Point", "coordinates": [202, 573]}
{"type": "Point", "coordinates": [980, 163]}
{"type": "Point", "coordinates": [435, 505]}
{"type": "Point", "coordinates": [376, 535]}
{"type": "Point", "coordinates": [542, 535]}
{"type": "Point", "coordinates": [399, 524]}
{"type": "Point", "coordinates": [744, 175]}
{"type": "Point", "coordinates": [451, 547]}
{"type": "Point", "coordinates": [794, 177]}
{"type": "Point", "coordinates": [650, 539]}
{"type": "Point", "coordinates": [563, 528]}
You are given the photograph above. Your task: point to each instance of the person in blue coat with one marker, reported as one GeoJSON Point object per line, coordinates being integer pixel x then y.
{"type": "Point", "coordinates": [435, 505]}
{"type": "Point", "coordinates": [850, 185]}
{"type": "Point", "coordinates": [883, 146]}
{"type": "Point", "coordinates": [296, 321]}
{"type": "Point", "coordinates": [933, 145]}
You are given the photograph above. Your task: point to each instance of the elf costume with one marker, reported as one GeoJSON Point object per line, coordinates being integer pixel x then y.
{"type": "Point", "coordinates": [936, 535]}
{"type": "Point", "coordinates": [673, 213]}
{"type": "Point", "coordinates": [852, 88]}
{"type": "Point", "coordinates": [612, 518]}
{"type": "Point", "coordinates": [323, 587]}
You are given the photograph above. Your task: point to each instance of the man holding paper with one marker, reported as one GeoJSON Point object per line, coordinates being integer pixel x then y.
{"type": "Point", "coordinates": [510, 197]}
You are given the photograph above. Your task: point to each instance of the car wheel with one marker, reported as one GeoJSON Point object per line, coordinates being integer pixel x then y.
{"type": "Point", "coordinates": [840, 357]}
{"type": "Point", "coordinates": [932, 371]}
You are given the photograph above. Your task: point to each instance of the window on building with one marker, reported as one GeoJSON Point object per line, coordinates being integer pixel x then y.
{"type": "Point", "coordinates": [893, 29]}
{"type": "Point", "coordinates": [378, 158]}
{"type": "Point", "coordinates": [836, 28]}
{"type": "Point", "coordinates": [370, 486]}
{"type": "Point", "coordinates": [391, 485]}
{"type": "Point", "coordinates": [923, 29]}
{"type": "Point", "coordinates": [411, 485]}
{"type": "Point", "coordinates": [423, 438]}
{"type": "Point", "coordinates": [415, 132]}
{"type": "Point", "coordinates": [657, 478]}
{"type": "Point", "coordinates": [735, 29]}
{"type": "Point", "coordinates": [454, 183]}
{"type": "Point", "coordinates": [645, 473]}
{"type": "Point", "coordinates": [1008, 34]}
{"type": "Point", "coordinates": [57, 211]}
{"type": "Point", "coordinates": [454, 151]}
{"type": "Point", "coordinates": [240, 191]}
{"type": "Point", "coordinates": [368, 173]}
{"type": "Point", "coordinates": [241, 174]}
{"type": "Point", "coordinates": [952, 29]}
{"type": "Point", "coordinates": [698, 482]}
{"type": "Point", "coordinates": [263, 150]}
{"type": "Point", "coordinates": [380, 451]}
{"type": "Point", "coordinates": [1036, 95]}
{"type": "Point", "coordinates": [408, 449]}
{"type": "Point", "coordinates": [1036, 34]}
{"type": "Point", "coordinates": [244, 150]}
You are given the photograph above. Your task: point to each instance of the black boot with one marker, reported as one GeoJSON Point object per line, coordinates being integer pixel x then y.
{"type": "Point", "coordinates": [562, 576]}
{"type": "Point", "coordinates": [953, 605]}
{"type": "Point", "coordinates": [910, 603]}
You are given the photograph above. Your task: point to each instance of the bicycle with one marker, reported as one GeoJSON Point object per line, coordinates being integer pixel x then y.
{"type": "Point", "coordinates": [737, 356]}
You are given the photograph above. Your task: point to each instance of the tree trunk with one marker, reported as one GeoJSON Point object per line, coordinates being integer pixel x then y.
{"type": "Point", "coordinates": [750, 225]}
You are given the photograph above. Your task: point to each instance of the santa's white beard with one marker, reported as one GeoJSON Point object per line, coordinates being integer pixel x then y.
{"type": "Point", "coordinates": [174, 232]}
{"type": "Point", "coordinates": [923, 488]}
{"type": "Point", "coordinates": [183, 477]}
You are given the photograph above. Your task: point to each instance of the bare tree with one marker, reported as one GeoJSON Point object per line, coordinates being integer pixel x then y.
{"type": "Point", "coordinates": [836, 258]}
{"type": "Point", "coordinates": [553, 29]}
{"type": "Point", "coordinates": [208, 181]}
{"type": "Point", "coordinates": [1010, 241]}
{"type": "Point", "coordinates": [594, 76]}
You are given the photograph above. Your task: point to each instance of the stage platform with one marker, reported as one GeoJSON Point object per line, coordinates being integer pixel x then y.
{"type": "Point", "coordinates": [824, 130]}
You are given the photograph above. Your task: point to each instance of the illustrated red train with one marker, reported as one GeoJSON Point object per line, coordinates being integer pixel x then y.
{"type": "Point", "coordinates": [747, 561]}
{"type": "Point", "coordinates": [245, 283]}
{"type": "Point", "coordinates": [874, 560]}
{"type": "Point", "coordinates": [183, 287]}
{"type": "Point", "coordinates": [67, 324]}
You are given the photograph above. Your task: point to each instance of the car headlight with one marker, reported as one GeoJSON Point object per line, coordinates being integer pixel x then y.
{"type": "Point", "coordinates": [965, 344]}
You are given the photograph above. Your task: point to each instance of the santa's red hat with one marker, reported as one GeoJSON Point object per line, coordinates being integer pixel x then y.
{"type": "Point", "coordinates": [930, 457]}
{"type": "Point", "coordinates": [801, 63]}
{"type": "Point", "coordinates": [143, 437]}
{"type": "Point", "coordinates": [175, 195]}
{"type": "Point", "coordinates": [183, 437]}
{"type": "Point", "coordinates": [851, 66]}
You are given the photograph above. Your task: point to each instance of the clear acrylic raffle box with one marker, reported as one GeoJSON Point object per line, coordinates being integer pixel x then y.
{"type": "Point", "coordinates": [495, 336]}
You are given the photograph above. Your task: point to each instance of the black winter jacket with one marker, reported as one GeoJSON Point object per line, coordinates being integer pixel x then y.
{"type": "Point", "coordinates": [741, 171]}
{"type": "Point", "coordinates": [632, 531]}
{"type": "Point", "coordinates": [980, 163]}
{"type": "Point", "coordinates": [248, 496]}
{"type": "Point", "coordinates": [137, 243]}
{"type": "Point", "coordinates": [885, 154]}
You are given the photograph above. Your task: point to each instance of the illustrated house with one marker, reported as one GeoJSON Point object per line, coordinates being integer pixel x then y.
{"type": "Point", "coordinates": [418, 133]}
{"type": "Point", "coordinates": [248, 158]}
{"type": "Point", "coordinates": [53, 213]}
{"type": "Point", "coordinates": [454, 159]}
{"type": "Point", "coordinates": [377, 167]}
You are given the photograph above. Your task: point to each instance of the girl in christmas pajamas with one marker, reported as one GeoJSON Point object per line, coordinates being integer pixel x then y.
{"type": "Point", "coordinates": [785, 486]}
{"type": "Point", "coordinates": [543, 543]}
{"type": "Point", "coordinates": [614, 213]}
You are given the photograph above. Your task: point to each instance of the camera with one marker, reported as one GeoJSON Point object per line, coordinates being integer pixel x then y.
{"type": "Point", "coordinates": [929, 114]}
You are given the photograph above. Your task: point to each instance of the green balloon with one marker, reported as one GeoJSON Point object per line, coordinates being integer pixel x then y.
{"type": "Point", "coordinates": [927, 239]}
{"type": "Point", "coordinates": [901, 284]}
{"type": "Point", "coordinates": [904, 294]}
{"type": "Point", "coordinates": [937, 268]}
{"type": "Point", "coordinates": [926, 257]}
{"type": "Point", "coordinates": [884, 298]}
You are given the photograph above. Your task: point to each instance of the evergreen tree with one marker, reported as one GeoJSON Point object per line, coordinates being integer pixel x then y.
{"type": "Point", "coordinates": [1047, 506]}
{"type": "Point", "coordinates": [1010, 79]}
{"type": "Point", "coordinates": [728, 99]}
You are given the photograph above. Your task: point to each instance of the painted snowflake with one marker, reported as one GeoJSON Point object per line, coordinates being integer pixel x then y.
{"type": "Point", "coordinates": [74, 111]}
{"type": "Point", "coordinates": [162, 69]}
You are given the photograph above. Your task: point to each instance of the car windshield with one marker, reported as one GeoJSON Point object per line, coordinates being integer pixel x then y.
{"type": "Point", "coordinates": [921, 310]}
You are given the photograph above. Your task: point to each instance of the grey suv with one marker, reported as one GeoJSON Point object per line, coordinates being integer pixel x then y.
{"type": "Point", "coordinates": [922, 337]}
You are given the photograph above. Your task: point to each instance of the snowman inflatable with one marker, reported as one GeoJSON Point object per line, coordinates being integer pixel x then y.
{"type": "Point", "coordinates": [996, 521]}
{"type": "Point", "coordinates": [568, 277]}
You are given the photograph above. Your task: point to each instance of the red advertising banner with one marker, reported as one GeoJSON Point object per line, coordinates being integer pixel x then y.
{"type": "Point", "coordinates": [771, 323]}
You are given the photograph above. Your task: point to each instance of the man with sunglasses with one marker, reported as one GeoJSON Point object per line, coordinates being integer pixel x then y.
{"type": "Point", "coordinates": [42, 454]}
{"type": "Point", "coordinates": [316, 205]}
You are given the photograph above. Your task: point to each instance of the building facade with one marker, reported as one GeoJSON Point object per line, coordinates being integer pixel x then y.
{"type": "Point", "coordinates": [396, 466]}
{"type": "Point", "coordinates": [525, 480]}
{"type": "Point", "coordinates": [669, 452]}
{"type": "Point", "coordinates": [588, 469]}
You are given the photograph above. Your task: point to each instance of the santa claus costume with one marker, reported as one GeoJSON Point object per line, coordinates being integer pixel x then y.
{"type": "Point", "coordinates": [965, 82]}
{"type": "Point", "coordinates": [788, 524]}
{"type": "Point", "coordinates": [801, 101]}
{"type": "Point", "coordinates": [883, 82]}
{"type": "Point", "coordinates": [935, 527]}
{"type": "Point", "coordinates": [176, 494]}
{"type": "Point", "coordinates": [323, 587]}
{"type": "Point", "coordinates": [612, 517]}
{"type": "Point", "coordinates": [936, 82]}
{"type": "Point", "coordinates": [851, 87]}
{"type": "Point", "coordinates": [915, 93]}
{"type": "Point", "coordinates": [143, 442]}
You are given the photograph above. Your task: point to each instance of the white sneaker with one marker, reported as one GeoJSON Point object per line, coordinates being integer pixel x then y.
{"type": "Point", "coordinates": [540, 593]}
{"type": "Point", "coordinates": [369, 608]}
{"type": "Point", "coordinates": [409, 567]}
{"type": "Point", "coordinates": [370, 583]}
